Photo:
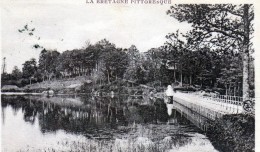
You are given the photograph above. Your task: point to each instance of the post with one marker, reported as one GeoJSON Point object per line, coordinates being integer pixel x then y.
{"type": "Point", "coordinates": [4, 65]}
{"type": "Point", "coordinates": [169, 94]}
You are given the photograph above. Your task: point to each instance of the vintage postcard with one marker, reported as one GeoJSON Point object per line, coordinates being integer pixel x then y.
{"type": "Point", "coordinates": [129, 75]}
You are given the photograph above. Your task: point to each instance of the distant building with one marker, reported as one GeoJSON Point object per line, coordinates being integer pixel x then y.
{"type": "Point", "coordinates": [172, 65]}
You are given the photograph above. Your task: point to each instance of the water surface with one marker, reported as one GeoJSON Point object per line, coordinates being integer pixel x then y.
{"type": "Point", "coordinates": [87, 123]}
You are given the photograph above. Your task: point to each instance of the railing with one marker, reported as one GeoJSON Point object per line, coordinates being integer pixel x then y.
{"type": "Point", "coordinates": [226, 99]}
{"type": "Point", "coordinates": [236, 100]}
{"type": "Point", "coordinates": [233, 104]}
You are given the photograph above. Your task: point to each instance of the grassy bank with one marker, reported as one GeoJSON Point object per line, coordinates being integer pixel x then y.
{"type": "Point", "coordinates": [85, 85]}
{"type": "Point", "coordinates": [233, 133]}
{"type": "Point", "coordinates": [69, 85]}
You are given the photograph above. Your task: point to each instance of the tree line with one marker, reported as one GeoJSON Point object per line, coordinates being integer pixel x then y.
{"type": "Point", "coordinates": [216, 53]}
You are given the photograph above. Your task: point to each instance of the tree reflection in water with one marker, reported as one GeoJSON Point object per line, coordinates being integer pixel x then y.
{"type": "Point", "coordinates": [86, 115]}
{"type": "Point", "coordinates": [107, 122]}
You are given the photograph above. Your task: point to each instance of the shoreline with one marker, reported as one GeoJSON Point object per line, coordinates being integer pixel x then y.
{"type": "Point", "coordinates": [20, 93]}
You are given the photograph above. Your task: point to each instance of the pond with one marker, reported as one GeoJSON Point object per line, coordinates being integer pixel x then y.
{"type": "Point", "coordinates": [98, 124]}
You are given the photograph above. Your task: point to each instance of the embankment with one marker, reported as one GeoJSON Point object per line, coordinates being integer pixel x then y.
{"type": "Point", "coordinates": [70, 85]}
{"type": "Point", "coordinates": [233, 133]}
{"type": "Point", "coordinates": [85, 85]}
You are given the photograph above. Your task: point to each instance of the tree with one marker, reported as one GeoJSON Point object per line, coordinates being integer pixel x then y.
{"type": "Point", "coordinates": [115, 63]}
{"type": "Point", "coordinates": [225, 26]}
{"type": "Point", "coordinates": [48, 61]}
{"type": "Point", "coordinates": [89, 58]}
{"type": "Point", "coordinates": [133, 57]}
{"type": "Point", "coordinates": [64, 64]}
{"type": "Point", "coordinates": [112, 61]}
{"type": "Point", "coordinates": [178, 53]}
{"type": "Point", "coordinates": [29, 68]}
{"type": "Point", "coordinates": [16, 73]}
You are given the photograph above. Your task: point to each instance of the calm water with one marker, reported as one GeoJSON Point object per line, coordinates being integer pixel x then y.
{"type": "Point", "coordinates": [86, 123]}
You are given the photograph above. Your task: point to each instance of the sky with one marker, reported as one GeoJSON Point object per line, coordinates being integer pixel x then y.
{"type": "Point", "coordinates": [66, 25]}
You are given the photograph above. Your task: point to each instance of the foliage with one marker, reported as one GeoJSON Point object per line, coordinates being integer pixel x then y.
{"type": "Point", "coordinates": [48, 63]}
{"type": "Point", "coordinates": [214, 54]}
{"type": "Point", "coordinates": [29, 68]}
{"type": "Point", "coordinates": [233, 133]}
{"type": "Point", "coordinates": [16, 73]}
{"type": "Point", "coordinates": [222, 28]}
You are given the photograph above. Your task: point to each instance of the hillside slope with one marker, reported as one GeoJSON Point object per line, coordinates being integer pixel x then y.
{"type": "Point", "coordinates": [70, 83]}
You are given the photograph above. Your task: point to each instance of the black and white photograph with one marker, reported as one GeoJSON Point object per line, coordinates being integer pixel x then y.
{"type": "Point", "coordinates": [128, 76]}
